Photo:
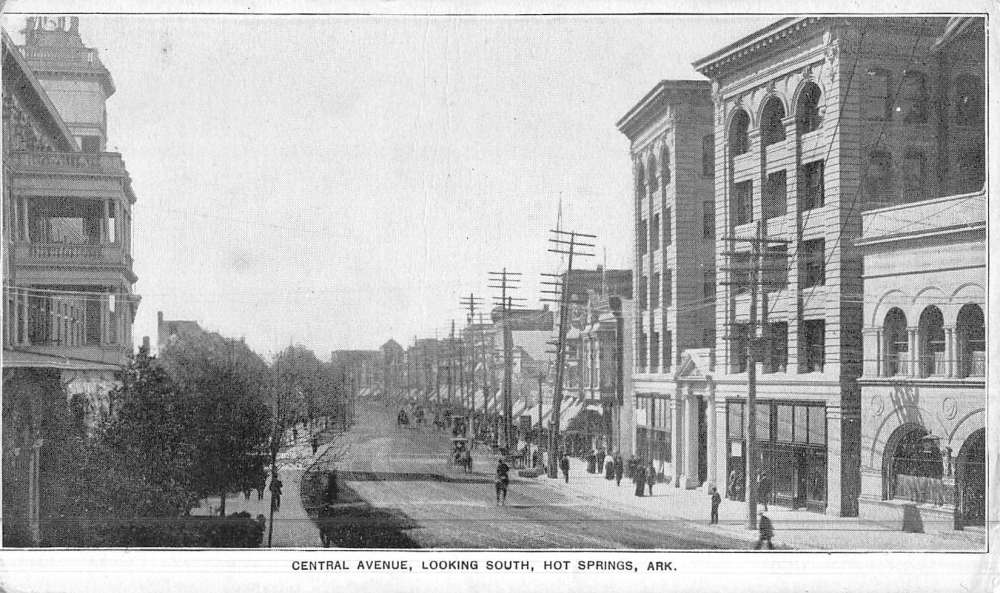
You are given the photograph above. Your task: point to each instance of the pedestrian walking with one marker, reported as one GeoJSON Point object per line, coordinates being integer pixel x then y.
{"type": "Point", "coordinates": [763, 488]}
{"type": "Point", "coordinates": [502, 480]}
{"type": "Point", "coordinates": [639, 479]}
{"type": "Point", "coordinates": [766, 531]}
{"type": "Point", "coordinates": [601, 454]}
{"type": "Point", "coordinates": [609, 468]}
{"type": "Point", "coordinates": [716, 501]}
{"type": "Point", "coordinates": [650, 477]}
{"type": "Point", "coordinates": [564, 466]}
{"type": "Point", "coordinates": [276, 493]}
{"type": "Point", "coordinates": [261, 484]}
{"type": "Point", "coordinates": [619, 469]}
{"type": "Point", "coordinates": [315, 444]}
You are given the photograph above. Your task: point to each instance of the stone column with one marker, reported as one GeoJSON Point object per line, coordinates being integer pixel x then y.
{"type": "Point", "coordinates": [690, 476]}
{"type": "Point", "coordinates": [914, 339]}
{"type": "Point", "coordinates": [675, 440]}
{"type": "Point", "coordinates": [834, 451]}
{"type": "Point", "coordinates": [711, 437]}
{"type": "Point", "coordinates": [104, 221]}
{"type": "Point", "coordinates": [950, 352]}
{"type": "Point", "coordinates": [881, 361]}
{"type": "Point", "coordinates": [721, 446]}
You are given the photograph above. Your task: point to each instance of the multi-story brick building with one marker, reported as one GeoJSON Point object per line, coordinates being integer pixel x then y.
{"type": "Point", "coordinates": [816, 121]}
{"type": "Point", "coordinates": [670, 131]}
{"type": "Point", "coordinates": [67, 255]}
{"type": "Point", "coordinates": [923, 397]}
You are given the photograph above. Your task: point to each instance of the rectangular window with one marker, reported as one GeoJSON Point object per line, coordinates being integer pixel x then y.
{"type": "Point", "coordinates": [643, 345]}
{"type": "Point", "coordinates": [775, 195]}
{"type": "Point", "coordinates": [811, 185]}
{"type": "Point", "coordinates": [667, 234]}
{"type": "Point", "coordinates": [708, 337]}
{"type": "Point", "coordinates": [775, 272]}
{"type": "Point", "coordinates": [763, 422]}
{"type": "Point", "coordinates": [738, 340]}
{"type": "Point", "coordinates": [739, 273]}
{"type": "Point", "coordinates": [643, 237]}
{"type": "Point", "coordinates": [812, 255]}
{"type": "Point", "coordinates": [784, 424]}
{"type": "Point", "coordinates": [801, 415]}
{"type": "Point", "coordinates": [776, 354]}
{"type": "Point", "coordinates": [813, 340]}
{"type": "Point", "coordinates": [914, 176]}
{"type": "Point", "coordinates": [668, 349]}
{"type": "Point", "coordinates": [90, 144]}
{"type": "Point", "coordinates": [643, 292]}
{"type": "Point", "coordinates": [878, 179]}
{"type": "Point", "coordinates": [743, 202]}
{"type": "Point", "coordinates": [708, 219]}
{"type": "Point", "coordinates": [875, 104]}
{"type": "Point", "coordinates": [708, 156]}
{"type": "Point", "coordinates": [668, 288]}
{"type": "Point", "coordinates": [734, 420]}
{"type": "Point", "coordinates": [654, 293]}
{"type": "Point", "coordinates": [654, 350]}
{"type": "Point", "coordinates": [708, 285]}
{"type": "Point", "coordinates": [817, 425]}
{"type": "Point", "coordinates": [654, 230]}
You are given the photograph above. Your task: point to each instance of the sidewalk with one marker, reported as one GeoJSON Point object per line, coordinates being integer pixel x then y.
{"type": "Point", "coordinates": [794, 529]}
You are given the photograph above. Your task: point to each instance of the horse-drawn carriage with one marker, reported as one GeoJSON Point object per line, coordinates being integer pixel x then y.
{"type": "Point", "coordinates": [461, 453]}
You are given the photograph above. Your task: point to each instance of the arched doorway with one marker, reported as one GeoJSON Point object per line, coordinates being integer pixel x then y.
{"type": "Point", "coordinates": [912, 467]}
{"type": "Point", "coordinates": [970, 481]}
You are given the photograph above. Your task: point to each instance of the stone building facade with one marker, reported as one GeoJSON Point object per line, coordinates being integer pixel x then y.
{"type": "Point", "coordinates": [816, 121]}
{"type": "Point", "coordinates": [671, 136]}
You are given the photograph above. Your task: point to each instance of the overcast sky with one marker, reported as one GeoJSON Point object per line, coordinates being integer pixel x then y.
{"type": "Point", "coordinates": [339, 181]}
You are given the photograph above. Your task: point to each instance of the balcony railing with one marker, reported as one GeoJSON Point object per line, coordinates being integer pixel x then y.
{"type": "Point", "coordinates": [99, 163]}
{"type": "Point", "coordinates": [71, 253]}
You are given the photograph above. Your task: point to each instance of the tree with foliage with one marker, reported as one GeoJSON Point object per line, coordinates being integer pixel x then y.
{"type": "Point", "coordinates": [228, 388]}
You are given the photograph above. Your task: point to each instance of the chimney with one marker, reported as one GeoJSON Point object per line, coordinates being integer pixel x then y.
{"type": "Point", "coordinates": [159, 318]}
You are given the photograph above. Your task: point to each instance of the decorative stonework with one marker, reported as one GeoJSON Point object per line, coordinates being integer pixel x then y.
{"type": "Point", "coordinates": [877, 405]}
{"type": "Point", "coordinates": [949, 408]}
{"type": "Point", "coordinates": [832, 62]}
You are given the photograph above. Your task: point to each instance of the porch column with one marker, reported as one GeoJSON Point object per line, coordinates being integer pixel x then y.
{"type": "Point", "coordinates": [710, 449]}
{"type": "Point", "coordinates": [881, 361]}
{"type": "Point", "coordinates": [914, 339]}
{"type": "Point", "coordinates": [675, 441]}
{"type": "Point", "coordinates": [104, 221]}
{"type": "Point", "coordinates": [690, 439]}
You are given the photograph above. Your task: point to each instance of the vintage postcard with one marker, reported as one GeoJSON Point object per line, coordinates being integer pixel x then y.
{"type": "Point", "coordinates": [497, 295]}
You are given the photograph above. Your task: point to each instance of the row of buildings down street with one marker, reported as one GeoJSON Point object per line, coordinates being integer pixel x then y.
{"type": "Point", "coordinates": [820, 200]}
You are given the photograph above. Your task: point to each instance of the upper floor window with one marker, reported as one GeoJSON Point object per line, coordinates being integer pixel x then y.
{"type": "Point", "coordinates": [643, 292]}
{"type": "Point", "coordinates": [971, 333]}
{"type": "Point", "coordinates": [739, 272]}
{"type": "Point", "coordinates": [743, 202]}
{"type": "Point", "coordinates": [968, 100]}
{"type": "Point", "coordinates": [708, 285]}
{"type": "Point", "coordinates": [707, 218]}
{"type": "Point", "coordinates": [912, 100]}
{"type": "Point", "coordinates": [813, 340]}
{"type": "Point", "coordinates": [931, 328]}
{"type": "Point", "coordinates": [771, 128]}
{"type": "Point", "coordinates": [708, 156]}
{"type": "Point", "coordinates": [775, 272]}
{"type": "Point", "coordinates": [878, 178]}
{"type": "Point", "coordinates": [739, 340]}
{"type": "Point", "coordinates": [811, 185]}
{"type": "Point", "coordinates": [90, 144]}
{"type": "Point", "coordinates": [776, 347]}
{"type": "Point", "coordinates": [654, 292]}
{"type": "Point", "coordinates": [640, 179]}
{"type": "Point", "coordinates": [665, 165]}
{"type": "Point", "coordinates": [667, 234]}
{"type": "Point", "coordinates": [775, 195]}
{"type": "Point", "coordinates": [739, 139]}
{"type": "Point", "coordinates": [668, 288]}
{"type": "Point", "coordinates": [654, 232]}
{"type": "Point", "coordinates": [896, 342]}
{"type": "Point", "coordinates": [812, 256]}
{"type": "Point", "coordinates": [914, 175]}
{"type": "Point", "coordinates": [668, 349]}
{"type": "Point", "coordinates": [875, 103]}
{"type": "Point", "coordinates": [643, 238]}
{"type": "Point", "coordinates": [651, 172]}
{"type": "Point", "coordinates": [807, 116]}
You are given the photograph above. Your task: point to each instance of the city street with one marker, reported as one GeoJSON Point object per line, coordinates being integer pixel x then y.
{"type": "Point", "coordinates": [397, 490]}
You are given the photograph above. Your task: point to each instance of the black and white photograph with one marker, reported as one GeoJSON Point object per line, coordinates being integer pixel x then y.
{"type": "Point", "coordinates": [518, 287]}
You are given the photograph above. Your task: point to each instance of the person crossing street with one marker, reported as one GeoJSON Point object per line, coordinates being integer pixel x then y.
{"type": "Point", "coordinates": [502, 481]}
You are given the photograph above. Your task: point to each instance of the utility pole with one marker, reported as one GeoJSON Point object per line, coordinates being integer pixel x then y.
{"type": "Point", "coordinates": [486, 373]}
{"type": "Point", "coordinates": [507, 281]}
{"type": "Point", "coordinates": [471, 303]}
{"type": "Point", "coordinates": [752, 271]}
{"type": "Point", "coordinates": [569, 247]}
{"type": "Point", "coordinates": [277, 430]}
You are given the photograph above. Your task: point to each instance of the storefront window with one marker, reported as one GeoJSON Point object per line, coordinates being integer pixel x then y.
{"type": "Point", "coordinates": [735, 420]}
{"type": "Point", "coordinates": [801, 415]}
{"type": "Point", "coordinates": [763, 422]}
{"type": "Point", "coordinates": [784, 423]}
{"type": "Point", "coordinates": [817, 426]}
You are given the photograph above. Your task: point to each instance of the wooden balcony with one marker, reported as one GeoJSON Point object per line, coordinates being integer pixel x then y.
{"type": "Point", "coordinates": [73, 163]}
{"type": "Point", "coordinates": [94, 258]}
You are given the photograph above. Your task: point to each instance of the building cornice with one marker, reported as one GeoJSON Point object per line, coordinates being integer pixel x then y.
{"type": "Point", "coordinates": [730, 56]}
{"type": "Point", "coordinates": [657, 102]}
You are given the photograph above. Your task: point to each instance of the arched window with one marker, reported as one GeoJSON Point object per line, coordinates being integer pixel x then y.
{"type": "Point", "coordinates": [651, 172]}
{"type": "Point", "coordinates": [968, 101]}
{"type": "Point", "coordinates": [665, 165]}
{"type": "Point", "coordinates": [640, 179]}
{"type": "Point", "coordinates": [896, 344]}
{"type": "Point", "coordinates": [912, 100]}
{"type": "Point", "coordinates": [876, 104]}
{"type": "Point", "coordinates": [971, 332]}
{"type": "Point", "coordinates": [932, 360]}
{"type": "Point", "coordinates": [771, 128]}
{"type": "Point", "coordinates": [739, 141]}
{"type": "Point", "coordinates": [807, 118]}
{"type": "Point", "coordinates": [878, 178]}
{"type": "Point", "coordinates": [913, 467]}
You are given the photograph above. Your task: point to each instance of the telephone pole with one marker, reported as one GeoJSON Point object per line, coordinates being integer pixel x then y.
{"type": "Point", "coordinates": [471, 302]}
{"type": "Point", "coordinates": [566, 243]}
{"type": "Point", "coordinates": [506, 281]}
{"type": "Point", "coordinates": [751, 270]}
